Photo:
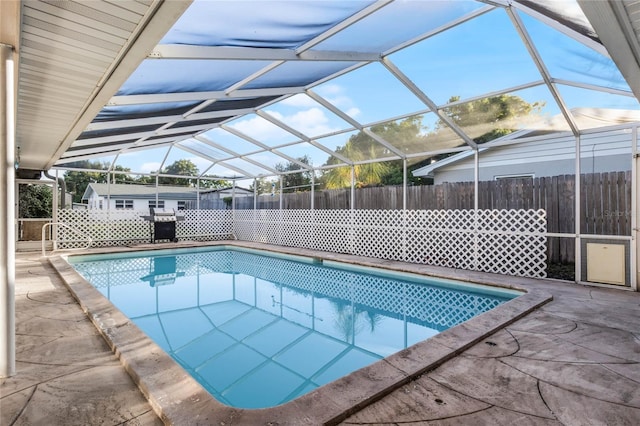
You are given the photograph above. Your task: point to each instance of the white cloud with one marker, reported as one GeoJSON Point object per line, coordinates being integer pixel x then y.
{"type": "Point", "coordinates": [331, 89]}
{"type": "Point", "coordinates": [301, 113]}
{"type": "Point", "coordinates": [335, 94]}
{"type": "Point", "coordinates": [353, 112]}
{"type": "Point", "coordinates": [258, 126]}
{"type": "Point", "coordinates": [311, 122]}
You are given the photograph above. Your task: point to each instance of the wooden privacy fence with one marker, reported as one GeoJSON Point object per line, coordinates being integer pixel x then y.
{"type": "Point", "coordinates": [605, 202]}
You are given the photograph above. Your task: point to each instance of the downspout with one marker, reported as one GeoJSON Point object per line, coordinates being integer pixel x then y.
{"type": "Point", "coordinates": [63, 187]}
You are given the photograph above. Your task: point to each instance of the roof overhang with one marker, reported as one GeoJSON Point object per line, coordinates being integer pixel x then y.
{"type": "Point", "coordinates": [618, 26]}
{"type": "Point", "coordinates": [67, 72]}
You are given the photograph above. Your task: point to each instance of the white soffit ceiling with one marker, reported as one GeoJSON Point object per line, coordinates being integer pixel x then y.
{"type": "Point", "coordinates": [73, 56]}
{"type": "Point", "coordinates": [618, 26]}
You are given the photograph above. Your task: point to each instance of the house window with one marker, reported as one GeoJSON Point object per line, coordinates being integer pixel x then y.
{"type": "Point", "coordinates": [522, 176]}
{"type": "Point", "coordinates": [182, 204]}
{"type": "Point", "coordinates": [152, 204]}
{"type": "Point", "coordinates": [124, 204]}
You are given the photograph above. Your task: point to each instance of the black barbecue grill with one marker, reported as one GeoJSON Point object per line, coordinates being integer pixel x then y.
{"type": "Point", "coordinates": [164, 224]}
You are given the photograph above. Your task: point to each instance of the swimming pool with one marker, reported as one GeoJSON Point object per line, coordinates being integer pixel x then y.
{"type": "Point", "coordinates": [259, 330]}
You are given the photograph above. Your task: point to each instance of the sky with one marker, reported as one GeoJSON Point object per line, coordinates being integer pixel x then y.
{"type": "Point", "coordinates": [478, 57]}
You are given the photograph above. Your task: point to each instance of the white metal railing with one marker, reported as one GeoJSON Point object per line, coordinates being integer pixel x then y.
{"type": "Point", "coordinates": [52, 224]}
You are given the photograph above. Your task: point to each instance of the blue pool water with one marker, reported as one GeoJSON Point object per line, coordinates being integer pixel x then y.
{"type": "Point", "coordinates": [259, 329]}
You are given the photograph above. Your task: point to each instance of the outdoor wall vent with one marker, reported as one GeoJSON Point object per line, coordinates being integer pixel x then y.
{"type": "Point", "coordinates": [606, 263]}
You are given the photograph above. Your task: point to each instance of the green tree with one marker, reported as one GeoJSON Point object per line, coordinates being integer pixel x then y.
{"type": "Point", "coordinates": [181, 168]}
{"type": "Point", "coordinates": [124, 177]}
{"type": "Point", "coordinates": [294, 182]}
{"type": "Point", "coordinates": [214, 183]}
{"type": "Point", "coordinates": [263, 185]}
{"type": "Point", "coordinates": [407, 135]}
{"type": "Point", "coordinates": [484, 119]}
{"type": "Point", "coordinates": [498, 115]}
{"type": "Point", "coordinates": [35, 201]}
{"type": "Point", "coordinates": [77, 181]}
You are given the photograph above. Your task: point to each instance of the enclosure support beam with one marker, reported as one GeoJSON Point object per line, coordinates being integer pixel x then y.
{"type": "Point", "coordinates": [54, 212]}
{"type": "Point", "coordinates": [476, 177]}
{"type": "Point", "coordinates": [108, 193]}
{"type": "Point", "coordinates": [233, 195]}
{"type": "Point", "coordinates": [578, 250]}
{"type": "Point", "coordinates": [634, 248]}
{"type": "Point", "coordinates": [353, 187]}
{"type": "Point", "coordinates": [404, 184]}
{"type": "Point", "coordinates": [255, 194]}
{"type": "Point", "coordinates": [157, 195]}
{"type": "Point", "coordinates": [313, 190]}
{"type": "Point", "coordinates": [7, 214]}
{"type": "Point", "coordinates": [281, 183]}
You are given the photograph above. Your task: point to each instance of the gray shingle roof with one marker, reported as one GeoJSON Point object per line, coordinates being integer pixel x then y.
{"type": "Point", "coordinates": [141, 191]}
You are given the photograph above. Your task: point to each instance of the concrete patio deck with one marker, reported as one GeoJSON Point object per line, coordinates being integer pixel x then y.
{"type": "Point", "coordinates": [572, 361]}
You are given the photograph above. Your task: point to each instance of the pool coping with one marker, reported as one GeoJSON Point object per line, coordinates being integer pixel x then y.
{"type": "Point", "coordinates": [177, 398]}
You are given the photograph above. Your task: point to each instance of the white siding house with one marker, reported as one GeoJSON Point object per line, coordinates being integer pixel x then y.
{"type": "Point", "coordinates": [105, 196]}
{"type": "Point", "coordinates": [550, 155]}
{"type": "Point", "coordinates": [220, 193]}
{"type": "Point", "coordinates": [221, 198]}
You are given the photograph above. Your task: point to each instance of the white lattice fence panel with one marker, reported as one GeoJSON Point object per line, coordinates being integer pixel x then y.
{"type": "Point", "coordinates": [329, 230]}
{"type": "Point", "coordinates": [269, 226]}
{"type": "Point", "coordinates": [299, 229]}
{"type": "Point", "coordinates": [126, 227]}
{"type": "Point", "coordinates": [244, 225]}
{"type": "Point", "coordinates": [379, 233]}
{"type": "Point", "coordinates": [449, 248]}
{"type": "Point", "coordinates": [106, 228]}
{"type": "Point", "coordinates": [78, 220]}
{"type": "Point", "coordinates": [510, 242]}
{"type": "Point", "coordinates": [333, 231]}
{"type": "Point", "coordinates": [205, 225]}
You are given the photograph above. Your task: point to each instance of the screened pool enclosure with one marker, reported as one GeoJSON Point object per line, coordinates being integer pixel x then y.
{"type": "Point", "coordinates": [302, 101]}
